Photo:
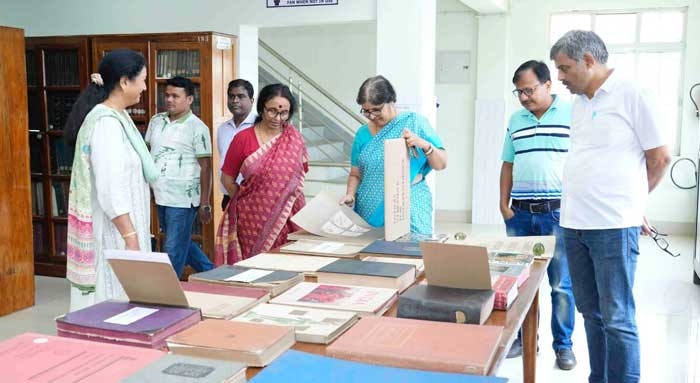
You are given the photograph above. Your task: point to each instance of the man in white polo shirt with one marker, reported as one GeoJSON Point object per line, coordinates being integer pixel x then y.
{"type": "Point", "coordinates": [181, 149]}
{"type": "Point", "coordinates": [240, 104]}
{"type": "Point", "coordinates": [617, 157]}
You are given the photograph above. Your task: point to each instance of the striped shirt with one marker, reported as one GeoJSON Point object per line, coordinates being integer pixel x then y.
{"type": "Point", "coordinates": [537, 148]}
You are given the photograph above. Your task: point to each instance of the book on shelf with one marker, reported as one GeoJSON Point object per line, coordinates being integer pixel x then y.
{"type": "Point", "coordinates": [220, 301]}
{"type": "Point", "coordinates": [157, 306]}
{"type": "Point", "coordinates": [362, 300]}
{"type": "Point", "coordinates": [371, 274]}
{"type": "Point", "coordinates": [297, 366]}
{"type": "Point", "coordinates": [446, 304]}
{"type": "Point", "coordinates": [399, 342]}
{"type": "Point", "coordinates": [310, 325]}
{"type": "Point", "coordinates": [31, 357]}
{"type": "Point", "coordinates": [274, 281]}
{"type": "Point", "coordinates": [418, 263]}
{"type": "Point", "coordinates": [335, 249]}
{"type": "Point", "coordinates": [306, 264]}
{"type": "Point", "coordinates": [253, 344]}
{"type": "Point", "coordinates": [172, 368]}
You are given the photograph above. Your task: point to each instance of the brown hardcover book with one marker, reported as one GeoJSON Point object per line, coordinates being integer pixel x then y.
{"type": "Point", "coordinates": [250, 343]}
{"type": "Point", "coordinates": [418, 344]}
{"type": "Point", "coordinates": [223, 302]}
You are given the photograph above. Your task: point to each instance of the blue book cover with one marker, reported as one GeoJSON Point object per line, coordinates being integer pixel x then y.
{"type": "Point", "coordinates": [395, 248]}
{"type": "Point", "coordinates": [376, 269]}
{"type": "Point", "coordinates": [296, 366]}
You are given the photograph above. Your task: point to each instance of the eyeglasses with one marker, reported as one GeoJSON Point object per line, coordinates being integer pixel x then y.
{"type": "Point", "coordinates": [662, 243]}
{"type": "Point", "coordinates": [372, 113]}
{"type": "Point", "coordinates": [273, 113]}
{"type": "Point", "coordinates": [525, 91]}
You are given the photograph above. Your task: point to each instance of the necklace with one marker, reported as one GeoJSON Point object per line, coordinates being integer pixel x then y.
{"type": "Point", "coordinates": [264, 138]}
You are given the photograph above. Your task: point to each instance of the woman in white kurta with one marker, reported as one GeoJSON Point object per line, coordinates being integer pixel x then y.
{"type": "Point", "coordinates": [109, 195]}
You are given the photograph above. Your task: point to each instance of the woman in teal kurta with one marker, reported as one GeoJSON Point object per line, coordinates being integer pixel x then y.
{"type": "Point", "coordinates": [365, 190]}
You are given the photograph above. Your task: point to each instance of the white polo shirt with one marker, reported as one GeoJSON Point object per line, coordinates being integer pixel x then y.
{"type": "Point", "coordinates": [224, 137]}
{"type": "Point", "coordinates": [605, 176]}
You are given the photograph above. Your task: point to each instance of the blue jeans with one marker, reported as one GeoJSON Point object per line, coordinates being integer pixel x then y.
{"type": "Point", "coordinates": [524, 223]}
{"type": "Point", "coordinates": [602, 264]}
{"type": "Point", "coordinates": [176, 223]}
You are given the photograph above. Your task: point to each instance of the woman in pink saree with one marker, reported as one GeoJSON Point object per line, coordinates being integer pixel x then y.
{"type": "Point", "coordinates": [272, 158]}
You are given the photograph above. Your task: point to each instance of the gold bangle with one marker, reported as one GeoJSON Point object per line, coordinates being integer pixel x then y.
{"type": "Point", "coordinates": [129, 234]}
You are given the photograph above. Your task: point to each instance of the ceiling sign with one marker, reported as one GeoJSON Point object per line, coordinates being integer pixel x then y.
{"type": "Point", "coordinates": [299, 3]}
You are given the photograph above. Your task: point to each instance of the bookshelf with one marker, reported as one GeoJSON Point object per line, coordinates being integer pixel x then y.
{"type": "Point", "coordinates": [57, 71]}
{"type": "Point", "coordinates": [206, 58]}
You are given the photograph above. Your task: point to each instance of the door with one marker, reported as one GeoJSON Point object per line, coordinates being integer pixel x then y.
{"type": "Point", "coordinates": [17, 259]}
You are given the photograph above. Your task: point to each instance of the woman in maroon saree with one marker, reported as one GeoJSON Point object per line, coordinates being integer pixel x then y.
{"type": "Point", "coordinates": [272, 158]}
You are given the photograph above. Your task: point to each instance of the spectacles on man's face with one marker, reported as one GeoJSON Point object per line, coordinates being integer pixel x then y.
{"type": "Point", "coordinates": [661, 242]}
{"type": "Point", "coordinates": [373, 112]}
{"type": "Point", "coordinates": [273, 113]}
{"type": "Point", "coordinates": [525, 91]}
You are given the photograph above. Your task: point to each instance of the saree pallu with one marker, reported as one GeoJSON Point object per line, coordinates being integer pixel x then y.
{"type": "Point", "coordinates": [370, 192]}
{"type": "Point", "coordinates": [257, 218]}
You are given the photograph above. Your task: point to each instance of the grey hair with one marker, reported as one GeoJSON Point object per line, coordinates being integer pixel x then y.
{"type": "Point", "coordinates": [376, 90]}
{"type": "Point", "coordinates": [575, 43]}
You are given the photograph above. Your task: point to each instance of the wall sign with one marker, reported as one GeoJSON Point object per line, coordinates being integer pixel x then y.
{"type": "Point", "coordinates": [299, 3]}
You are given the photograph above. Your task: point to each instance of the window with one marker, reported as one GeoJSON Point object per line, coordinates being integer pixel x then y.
{"type": "Point", "coordinates": [646, 46]}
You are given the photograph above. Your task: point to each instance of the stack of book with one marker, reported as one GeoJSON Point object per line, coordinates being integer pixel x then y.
{"type": "Point", "coordinates": [418, 263]}
{"type": "Point", "coordinates": [404, 343]}
{"type": "Point", "coordinates": [306, 264]}
{"type": "Point", "coordinates": [274, 281]}
{"type": "Point", "coordinates": [362, 300]}
{"type": "Point", "coordinates": [249, 343]}
{"type": "Point", "coordinates": [371, 274]}
{"type": "Point", "coordinates": [310, 325]}
{"type": "Point", "coordinates": [324, 248]}
{"type": "Point", "coordinates": [222, 302]}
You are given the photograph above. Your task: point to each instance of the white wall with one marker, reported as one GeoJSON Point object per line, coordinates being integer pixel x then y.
{"type": "Point", "coordinates": [76, 17]}
{"type": "Point", "coordinates": [338, 57]}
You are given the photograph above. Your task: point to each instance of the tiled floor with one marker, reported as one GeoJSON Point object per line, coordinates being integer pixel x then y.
{"type": "Point", "coordinates": [668, 315]}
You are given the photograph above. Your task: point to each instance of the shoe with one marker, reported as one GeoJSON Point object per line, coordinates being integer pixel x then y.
{"type": "Point", "coordinates": [516, 349]}
{"type": "Point", "coordinates": [566, 360]}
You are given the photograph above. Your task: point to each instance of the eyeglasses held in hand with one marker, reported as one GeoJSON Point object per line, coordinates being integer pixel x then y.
{"type": "Point", "coordinates": [661, 242]}
{"type": "Point", "coordinates": [273, 113]}
{"type": "Point", "coordinates": [525, 91]}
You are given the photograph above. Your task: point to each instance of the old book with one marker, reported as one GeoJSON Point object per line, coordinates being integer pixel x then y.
{"type": "Point", "coordinates": [520, 272]}
{"type": "Point", "coordinates": [223, 302]}
{"type": "Point", "coordinates": [510, 259]}
{"type": "Point", "coordinates": [446, 304]}
{"type": "Point", "coordinates": [302, 234]}
{"type": "Point", "coordinates": [404, 343]}
{"type": "Point", "coordinates": [371, 274]}
{"type": "Point", "coordinates": [310, 325]}
{"type": "Point", "coordinates": [250, 343]}
{"type": "Point", "coordinates": [297, 366]}
{"type": "Point", "coordinates": [127, 323]}
{"type": "Point", "coordinates": [274, 281]}
{"type": "Point", "coordinates": [418, 263]}
{"type": "Point", "coordinates": [362, 300]}
{"type": "Point", "coordinates": [33, 357]}
{"type": "Point", "coordinates": [173, 368]}
{"type": "Point", "coordinates": [519, 245]}
{"type": "Point", "coordinates": [384, 248]}
{"type": "Point", "coordinates": [324, 248]}
{"type": "Point", "coordinates": [306, 264]}
{"type": "Point", "coordinates": [505, 288]}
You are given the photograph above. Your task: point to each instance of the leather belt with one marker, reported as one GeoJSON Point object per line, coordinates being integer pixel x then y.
{"type": "Point", "coordinates": [537, 206]}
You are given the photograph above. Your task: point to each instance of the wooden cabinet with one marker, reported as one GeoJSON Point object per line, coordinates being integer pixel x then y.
{"type": "Point", "coordinates": [58, 69]}
{"type": "Point", "coordinates": [16, 261]}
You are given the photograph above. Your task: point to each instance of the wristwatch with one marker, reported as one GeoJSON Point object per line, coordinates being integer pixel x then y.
{"type": "Point", "coordinates": [206, 208]}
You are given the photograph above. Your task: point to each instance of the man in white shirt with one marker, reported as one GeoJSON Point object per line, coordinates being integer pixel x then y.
{"type": "Point", "coordinates": [240, 103]}
{"type": "Point", "coordinates": [617, 157]}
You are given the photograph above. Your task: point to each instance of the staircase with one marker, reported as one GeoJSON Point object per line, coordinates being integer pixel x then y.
{"type": "Point", "coordinates": [328, 126]}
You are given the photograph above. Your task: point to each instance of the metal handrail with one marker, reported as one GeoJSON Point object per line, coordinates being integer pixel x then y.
{"type": "Point", "coordinates": [313, 83]}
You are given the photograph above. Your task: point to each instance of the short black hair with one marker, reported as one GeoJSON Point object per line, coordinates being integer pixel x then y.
{"type": "Point", "coordinates": [181, 82]}
{"type": "Point", "coordinates": [540, 68]}
{"type": "Point", "coordinates": [271, 91]}
{"type": "Point", "coordinates": [241, 83]}
{"type": "Point", "coordinates": [376, 90]}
